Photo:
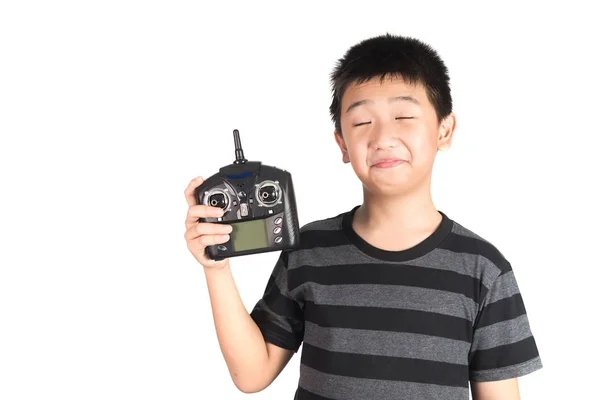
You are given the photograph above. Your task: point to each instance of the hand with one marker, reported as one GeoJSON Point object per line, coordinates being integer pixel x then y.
{"type": "Point", "coordinates": [199, 235]}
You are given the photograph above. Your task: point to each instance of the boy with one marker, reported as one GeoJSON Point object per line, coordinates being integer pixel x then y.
{"type": "Point", "coordinates": [392, 299]}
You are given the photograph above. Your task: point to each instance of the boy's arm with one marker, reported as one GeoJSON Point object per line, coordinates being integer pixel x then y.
{"type": "Point", "coordinates": [507, 389]}
{"type": "Point", "coordinates": [252, 363]}
{"type": "Point", "coordinates": [503, 346]}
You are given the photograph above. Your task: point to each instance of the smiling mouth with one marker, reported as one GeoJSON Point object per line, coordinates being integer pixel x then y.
{"type": "Point", "coordinates": [388, 163]}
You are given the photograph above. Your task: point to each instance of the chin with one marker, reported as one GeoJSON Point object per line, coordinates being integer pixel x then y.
{"type": "Point", "coordinates": [389, 186]}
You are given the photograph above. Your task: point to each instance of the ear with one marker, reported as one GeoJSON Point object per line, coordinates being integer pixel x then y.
{"type": "Point", "coordinates": [340, 141]}
{"type": "Point", "coordinates": [446, 132]}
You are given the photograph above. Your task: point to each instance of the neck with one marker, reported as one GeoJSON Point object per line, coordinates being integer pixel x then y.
{"type": "Point", "coordinates": [405, 218]}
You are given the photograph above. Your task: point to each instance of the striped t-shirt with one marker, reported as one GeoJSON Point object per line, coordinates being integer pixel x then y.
{"type": "Point", "coordinates": [414, 324]}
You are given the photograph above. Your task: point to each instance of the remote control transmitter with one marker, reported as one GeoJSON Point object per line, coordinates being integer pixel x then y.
{"type": "Point", "coordinates": [258, 202]}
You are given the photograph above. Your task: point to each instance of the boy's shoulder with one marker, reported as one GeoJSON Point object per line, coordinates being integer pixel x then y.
{"type": "Point", "coordinates": [475, 237]}
{"type": "Point", "coordinates": [324, 233]}
{"type": "Point", "coordinates": [465, 240]}
{"type": "Point", "coordinates": [332, 223]}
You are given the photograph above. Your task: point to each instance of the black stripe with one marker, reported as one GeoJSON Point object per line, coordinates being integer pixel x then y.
{"type": "Point", "coordinates": [385, 367]}
{"type": "Point", "coordinates": [387, 274]}
{"type": "Point", "coordinates": [322, 238]}
{"type": "Point", "coordinates": [281, 304]}
{"type": "Point", "coordinates": [303, 394]}
{"type": "Point", "coordinates": [504, 356]}
{"type": "Point", "coordinates": [275, 334]}
{"type": "Point", "coordinates": [464, 244]}
{"type": "Point", "coordinates": [502, 310]}
{"type": "Point", "coordinates": [389, 319]}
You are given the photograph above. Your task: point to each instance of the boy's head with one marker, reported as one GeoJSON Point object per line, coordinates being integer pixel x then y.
{"type": "Point", "coordinates": [391, 101]}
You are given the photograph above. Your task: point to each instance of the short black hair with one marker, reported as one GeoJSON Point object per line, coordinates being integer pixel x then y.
{"type": "Point", "coordinates": [394, 56]}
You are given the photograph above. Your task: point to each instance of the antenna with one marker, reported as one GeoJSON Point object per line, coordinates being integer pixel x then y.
{"type": "Point", "coordinates": [239, 153]}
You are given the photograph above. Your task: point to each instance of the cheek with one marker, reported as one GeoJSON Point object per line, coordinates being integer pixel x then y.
{"type": "Point", "coordinates": [357, 147]}
{"type": "Point", "coordinates": [422, 146]}
{"type": "Point", "coordinates": [357, 154]}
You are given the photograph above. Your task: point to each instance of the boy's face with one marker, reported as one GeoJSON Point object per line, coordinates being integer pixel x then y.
{"type": "Point", "coordinates": [390, 134]}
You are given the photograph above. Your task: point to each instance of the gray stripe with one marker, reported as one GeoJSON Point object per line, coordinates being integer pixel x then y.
{"type": "Point", "coordinates": [504, 287]}
{"type": "Point", "coordinates": [391, 296]}
{"type": "Point", "coordinates": [394, 344]}
{"type": "Point", "coordinates": [329, 224]}
{"type": "Point", "coordinates": [326, 256]}
{"type": "Point", "coordinates": [347, 388]}
{"type": "Point", "coordinates": [471, 265]}
{"type": "Point", "coordinates": [501, 333]}
{"type": "Point", "coordinates": [461, 230]}
{"type": "Point", "coordinates": [280, 276]}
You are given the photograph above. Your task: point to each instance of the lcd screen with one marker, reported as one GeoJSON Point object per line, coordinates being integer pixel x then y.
{"type": "Point", "coordinates": [249, 235]}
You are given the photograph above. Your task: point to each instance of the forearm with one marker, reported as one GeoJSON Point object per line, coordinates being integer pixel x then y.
{"type": "Point", "coordinates": [507, 389]}
{"type": "Point", "coordinates": [240, 339]}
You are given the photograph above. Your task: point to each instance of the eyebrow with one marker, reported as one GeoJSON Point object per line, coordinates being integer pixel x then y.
{"type": "Point", "coordinates": [391, 99]}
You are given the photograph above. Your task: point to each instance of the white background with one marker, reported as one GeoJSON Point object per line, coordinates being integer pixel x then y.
{"type": "Point", "coordinates": [108, 109]}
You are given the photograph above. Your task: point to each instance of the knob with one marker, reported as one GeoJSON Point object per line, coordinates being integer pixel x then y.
{"type": "Point", "coordinates": [218, 199]}
{"type": "Point", "coordinates": [269, 193]}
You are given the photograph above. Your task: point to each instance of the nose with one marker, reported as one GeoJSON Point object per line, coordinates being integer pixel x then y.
{"type": "Point", "coordinates": [385, 135]}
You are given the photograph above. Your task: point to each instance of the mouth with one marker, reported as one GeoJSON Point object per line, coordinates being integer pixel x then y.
{"type": "Point", "coordinates": [388, 163]}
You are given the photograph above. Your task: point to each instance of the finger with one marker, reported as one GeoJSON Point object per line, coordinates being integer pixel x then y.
{"type": "Point", "coordinates": [189, 190]}
{"type": "Point", "coordinates": [207, 228]}
{"type": "Point", "coordinates": [209, 240]}
{"type": "Point", "coordinates": [203, 211]}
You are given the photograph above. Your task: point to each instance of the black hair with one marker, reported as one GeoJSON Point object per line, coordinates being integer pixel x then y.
{"type": "Point", "coordinates": [394, 56]}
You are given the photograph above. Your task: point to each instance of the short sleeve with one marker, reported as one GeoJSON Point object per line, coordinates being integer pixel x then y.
{"type": "Point", "coordinates": [278, 314]}
{"type": "Point", "coordinates": [503, 345]}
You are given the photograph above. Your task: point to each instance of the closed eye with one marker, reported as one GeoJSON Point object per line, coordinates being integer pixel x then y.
{"type": "Point", "coordinates": [368, 122]}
